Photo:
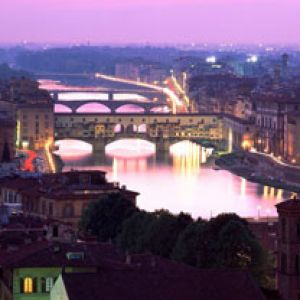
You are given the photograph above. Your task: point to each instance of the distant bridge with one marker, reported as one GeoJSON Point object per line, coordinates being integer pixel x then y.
{"type": "Point", "coordinates": [111, 106]}
{"type": "Point", "coordinates": [146, 93]}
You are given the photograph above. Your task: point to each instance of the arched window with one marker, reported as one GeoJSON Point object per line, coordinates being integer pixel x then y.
{"type": "Point", "coordinates": [68, 211]}
{"type": "Point", "coordinates": [27, 285]}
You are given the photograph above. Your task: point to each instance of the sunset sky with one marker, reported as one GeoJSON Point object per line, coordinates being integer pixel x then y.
{"type": "Point", "coordinates": [154, 21]}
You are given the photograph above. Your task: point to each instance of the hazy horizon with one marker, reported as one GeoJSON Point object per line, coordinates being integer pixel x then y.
{"type": "Point", "coordinates": [153, 22]}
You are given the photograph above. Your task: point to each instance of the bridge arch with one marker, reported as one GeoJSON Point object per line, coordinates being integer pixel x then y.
{"type": "Point", "coordinates": [130, 148]}
{"type": "Point", "coordinates": [93, 107]}
{"type": "Point", "coordinates": [72, 148]}
{"type": "Point", "coordinates": [130, 108]}
{"type": "Point", "coordinates": [61, 108]}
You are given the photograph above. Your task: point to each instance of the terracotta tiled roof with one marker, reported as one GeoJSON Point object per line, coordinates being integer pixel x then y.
{"type": "Point", "coordinates": [55, 255]}
{"type": "Point", "coordinates": [161, 279]}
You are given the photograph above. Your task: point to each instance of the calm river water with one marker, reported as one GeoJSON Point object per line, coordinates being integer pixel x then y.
{"type": "Point", "coordinates": [184, 180]}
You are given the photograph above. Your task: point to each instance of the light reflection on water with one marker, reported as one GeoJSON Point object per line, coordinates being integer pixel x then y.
{"type": "Point", "coordinates": [184, 180]}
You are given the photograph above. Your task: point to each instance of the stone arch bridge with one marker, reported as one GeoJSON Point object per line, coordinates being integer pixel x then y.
{"type": "Point", "coordinates": [161, 129]}
{"type": "Point", "coordinates": [111, 106]}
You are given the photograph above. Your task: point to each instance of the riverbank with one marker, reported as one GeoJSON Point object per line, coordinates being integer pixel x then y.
{"type": "Point", "coordinates": [259, 170]}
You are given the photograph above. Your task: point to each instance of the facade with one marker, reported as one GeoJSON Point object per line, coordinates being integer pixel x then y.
{"type": "Point", "coordinates": [240, 133]}
{"type": "Point", "coordinates": [128, 70]}
{"type": "Point", "coordinates": [270, 114]}
{"type": "Point", "coordinates": [62, 197]}
{"type": "Point", "coordinates": [288, 252]}
{"type": "Point", "coordinates": [292, 137]}
{"type": "Point", "coordinates": [35, 125]}
{"type": "Point", "coordinates": [7, 139]}
{"type": "Point", "coordinates": [7, 131]}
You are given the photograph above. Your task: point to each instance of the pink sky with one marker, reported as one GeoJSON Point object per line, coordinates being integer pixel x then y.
{"type": "Point", "coordinates": [157, 21]}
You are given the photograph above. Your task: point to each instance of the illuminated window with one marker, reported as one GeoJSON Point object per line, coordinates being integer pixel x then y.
{"type": "Point", "coordinates": [28, 285]}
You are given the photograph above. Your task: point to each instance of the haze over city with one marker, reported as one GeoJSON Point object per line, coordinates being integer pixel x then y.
{"type": "Point", "coordinates": [145, 21]}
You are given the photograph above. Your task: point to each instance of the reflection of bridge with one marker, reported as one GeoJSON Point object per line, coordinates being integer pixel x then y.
{"type": "Point", "coordinates": [111, 106]}
{"type": "Point", "coordinates": [161, 129]}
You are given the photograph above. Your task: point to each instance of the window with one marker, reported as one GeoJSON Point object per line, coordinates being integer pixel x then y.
{"type": "Point", "coordinates": [283, 262]}
{"type": "Point", "coordinates": [49, 284]}
{"type": "Point", "coordinates": [283, 229]}
{"type": "Point", "coordinates": [55, 231]}
{"type": "Point", "coordinates": [68, 211]}
{"type": "Point", "coordinates": [50, 209]}
{"type": "Point", "coordinates": [43, 285]}
{"type": "Point", "coordinates": [27, 285]}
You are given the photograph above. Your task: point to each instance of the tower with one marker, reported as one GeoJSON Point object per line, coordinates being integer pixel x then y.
{"type": "Point", "coordinates": [288, 254]}
{"type": "Point", "coordinates": [284, 64]}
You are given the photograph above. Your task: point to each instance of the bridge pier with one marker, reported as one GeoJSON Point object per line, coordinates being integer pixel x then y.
{"type": "Point", "coordinates": [110, 96]}
{"type": "Point", "coordinates": [99, 146]}
{"type": "Point", "coordinates": [163, 145]}
{"type": "Point", "coordinates": [55, 96]}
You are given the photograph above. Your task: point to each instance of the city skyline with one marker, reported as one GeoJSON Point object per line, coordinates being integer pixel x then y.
{"type": "Point", "coordinates": [144, 21]}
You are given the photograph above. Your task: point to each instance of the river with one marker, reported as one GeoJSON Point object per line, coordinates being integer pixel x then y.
{"type": "Point", "coordinates": [183, 180]}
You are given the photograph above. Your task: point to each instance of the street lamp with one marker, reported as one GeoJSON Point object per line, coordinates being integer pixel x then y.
{"type": "Point", "coordinates": [258, 211]}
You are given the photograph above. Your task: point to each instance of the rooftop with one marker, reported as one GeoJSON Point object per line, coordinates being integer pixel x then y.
{"type": "Point", "coordinates": [157, 278]}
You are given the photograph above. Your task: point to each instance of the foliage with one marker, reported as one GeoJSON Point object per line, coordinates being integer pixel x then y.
{"type": "Point", "coordinates": [104, 218]}
{"type": "Point", "coordinates": [222, 242]}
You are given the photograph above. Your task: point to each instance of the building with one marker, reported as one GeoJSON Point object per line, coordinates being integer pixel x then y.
{"type": "Point", "coordinates": [288, 257]}
{"type": "Point", "coordinates": [128, 70]}
{"type": "Point", "coordinates": [270, 111]}
{"type": "Point", "coordinates": [35, 125]}
{"type": "Point", "coordinates": [7, 139]}
{"type": "Point", "coordinates": [154, 74]}
{"type": "Point", "coordinates": [33, 112]}
{"type": "Point", "coordinates": [149, 277]}
{"type": "Point", "coordinates": [7, 131]}
{"type": "Point", "coordinates": [62, 197]}
{"type": "Point", "coordinates": [291, 137]}
{"type": "Point", "coordinates": [31, 272]}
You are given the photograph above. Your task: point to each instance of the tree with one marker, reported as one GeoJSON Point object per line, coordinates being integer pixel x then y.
{"type": "Point", "coordinates": [191, 246]}
{"type": "Point", "coordinates": [236, 247]}
{"type": "Point", "coordinates": [104, 217]}
{"type": "Point", "coordinates": [162, 233]}
{"type": "Point", "coordinates": [132, 236]}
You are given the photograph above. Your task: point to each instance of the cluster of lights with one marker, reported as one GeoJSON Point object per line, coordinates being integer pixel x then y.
{"type": "Point", "coordinates": [211, 59]}
{"type": "Point", "coordinates": [252, 59]}
{"type": "Point", "coordinates": [170, 94]}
